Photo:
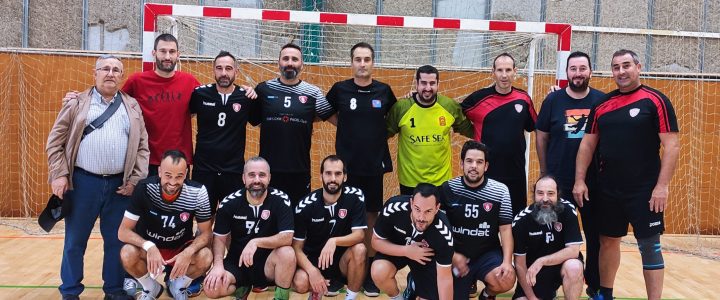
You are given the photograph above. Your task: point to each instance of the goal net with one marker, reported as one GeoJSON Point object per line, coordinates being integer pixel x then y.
{"type": "Point", "coordinates": [462, 50]}
{"type": "Point", "coordinates": [32, 82]}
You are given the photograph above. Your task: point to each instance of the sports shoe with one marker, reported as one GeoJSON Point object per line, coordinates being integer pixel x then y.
{"type": "Point", "coordinates": [130, 286]}
{"type": "Point", "coordinates": [483, 295]}
{"type": "Point", "coordinates": [259, 289]}
{"type": "Point", "coordinates": [473, 290]}
{"type": "Point", "coordinates": [177, 292]}
{"type": "Point", "coordinates": [118, 296]}
{"type": "Point", "coordinates": [196, 286]}
{"type": "Point", "coordinates": [409, 292]}
{"type": "Point", "coordinates": [152, 294]}
{"type": "Point", "coordinates": [369, 288]}
{"type": "Point", "coordinates": [594, 294]}
{"type": "Point", "coordinates": [334, 288]}
{"type": "Point", "coordinates": [241, 293]}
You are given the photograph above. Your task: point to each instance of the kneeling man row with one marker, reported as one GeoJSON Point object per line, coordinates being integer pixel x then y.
{"type": "Point", "coordinates": [447, 235]}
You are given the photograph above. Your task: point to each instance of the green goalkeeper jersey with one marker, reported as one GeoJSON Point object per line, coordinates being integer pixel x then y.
{"type": "Point", "coordinates": [424, 139]}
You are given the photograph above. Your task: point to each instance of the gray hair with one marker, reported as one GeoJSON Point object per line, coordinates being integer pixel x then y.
{"type": "Point", "coordinates": [621, 52]}
{"type": "Point", "coordinates": [104, 57]}
{"type": "Point", "coordinates": [255, 159]}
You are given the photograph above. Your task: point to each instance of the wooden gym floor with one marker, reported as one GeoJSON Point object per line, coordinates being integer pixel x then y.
{"type": "Point", "coordinates": [30, 267]}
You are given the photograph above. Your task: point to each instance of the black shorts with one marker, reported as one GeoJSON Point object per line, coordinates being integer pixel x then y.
{"type": "Point", "coordinates": [547, 282]}
{"type": "Point", "coordinates": [479, 268]}
{"type": "Point", "coordinates": [252, 276]}
{"type": "Point", "coordinates": [295, 185]}
{"type": "Point", "coordinates": [518, 193]}
{"type": "Point", "coordinates": [406, 190]}
{"type": "Point", "coordinates": [152, 170]}
{"type": "Point", "coordinates": [372, 187]}
{"type": "Point", "coordinates": [622, 206]}
{"type": "Point", "coordinates": [424, 276]}
{"type": "Point", "coordinates": [333, 272]}
{"type": "Point", "coordinates": [218, 185]}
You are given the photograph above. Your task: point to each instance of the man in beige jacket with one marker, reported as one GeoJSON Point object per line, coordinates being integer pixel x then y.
{"type": "Point", "coordinates": [97, 168]}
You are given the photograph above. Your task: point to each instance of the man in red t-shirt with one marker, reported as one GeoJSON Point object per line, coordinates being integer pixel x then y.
{"type": "Point", "coordinates": [164, 96]}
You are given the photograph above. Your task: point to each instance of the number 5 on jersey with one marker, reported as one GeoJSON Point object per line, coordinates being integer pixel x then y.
{"type": "Point", "coordinates": [287, 102]}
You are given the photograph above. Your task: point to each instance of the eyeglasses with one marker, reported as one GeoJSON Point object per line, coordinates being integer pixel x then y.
{"type": "Point", "coordinates": [106, 70]}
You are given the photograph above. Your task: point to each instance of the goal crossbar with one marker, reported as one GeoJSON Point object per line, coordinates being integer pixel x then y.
{"type": "Point", "coordinates": [153, 11]}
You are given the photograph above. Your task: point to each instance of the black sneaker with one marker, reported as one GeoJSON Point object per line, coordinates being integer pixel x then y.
{"type": "Point", "coordinates": [369, 288]}
{"type": "Point", "coordinates": [483, 295]}
{"type": "Point", "coordinates": [409, 293]}
{"type": "Point", "coordinates": [594, 294]}
{"type": "Point", "coordinates": [473, 290]}
{"type": "Point", "coordinates": [334, 288]}
{"type": "Point", "coordinates": [241, 293]}
{"type": "Point", "coordinates": [119, 296]}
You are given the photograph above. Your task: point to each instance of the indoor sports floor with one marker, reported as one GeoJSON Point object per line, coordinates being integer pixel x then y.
{"type": "Point", "coordinates": [30, 267]}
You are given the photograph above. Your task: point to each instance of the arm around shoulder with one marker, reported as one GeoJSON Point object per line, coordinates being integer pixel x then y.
{"type": "Point", "coordinates": [142, 157]}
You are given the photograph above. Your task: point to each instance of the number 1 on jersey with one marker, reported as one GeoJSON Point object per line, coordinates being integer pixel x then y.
{"type": "Point", "coordinates": [412, 122]}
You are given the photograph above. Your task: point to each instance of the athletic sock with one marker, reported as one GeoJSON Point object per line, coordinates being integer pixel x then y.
{"type": "Point", "coordinates": [281, 293]}
{"type": "Point", "coordinates": [607, 293]}
{"type": "Point", "coordinates": [148, 283]}
{"type": "Point", "coordinates": [399, 296]}
{"type": "Point", "coordinates": [350, 295]}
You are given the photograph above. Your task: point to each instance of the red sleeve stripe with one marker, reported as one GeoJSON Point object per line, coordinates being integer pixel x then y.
{"type": "Point", "coordinates": [663, 118]}
{"type": "Point", "coordinates": [621, 100]}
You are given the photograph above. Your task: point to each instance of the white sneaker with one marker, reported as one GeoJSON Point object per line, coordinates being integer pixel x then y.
{"type": "Point", "coordinates": [176, 291]}
{"type": "Point", "coordinates": [130, 286]}
{"type": "Point", "coordinates": [152, 293]}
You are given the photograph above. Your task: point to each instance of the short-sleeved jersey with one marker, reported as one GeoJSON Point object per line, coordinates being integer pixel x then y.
{"type": "Point", "coordinates": [316, 222]}
{"type": "Point", "coordinates": [535, 240]}
{"type": "Point", "coordinates": [244, 222]}
{"type": "Point", "coordinates": [565, 118]}
{"type": "Point", "coordinates": [628, 125]}
{"type": "Point", "coordinates": [287, 113]}
{"type": "Point", "coordinates": [476, 214]}
{"type": "Point", "coordinates": [394, 224]}
{"type": "Point", "coordinates": [165, 106]}
{"type": "Point", "coordinates": [424, 138]}
{"type": "Point", "coordinates": [167, 224]}
{"type": "Point", "coordinates": [221, 120]}
{"type": "Point", "coordinates": [500, 122]}
{"type": "Point", "coordinates": [361, 137]}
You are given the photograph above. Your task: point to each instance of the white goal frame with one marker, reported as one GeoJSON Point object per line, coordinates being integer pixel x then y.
{"type": "Point", "coordinates": [152, 11]}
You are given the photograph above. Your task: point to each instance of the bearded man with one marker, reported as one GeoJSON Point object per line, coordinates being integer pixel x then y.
{"type": "Point", "coordinates": [258, 221]}
{"type": "Point", "coordinates": [547, 246]}
{"type": "Point", "coordinates": [330, 228]}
